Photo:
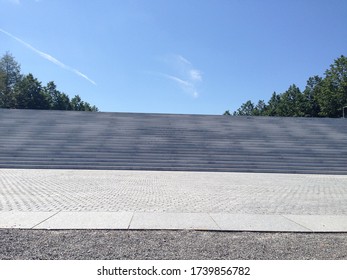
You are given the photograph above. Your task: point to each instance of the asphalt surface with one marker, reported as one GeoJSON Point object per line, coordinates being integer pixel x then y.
{"type": "Point", "coordinates": [16, 244]}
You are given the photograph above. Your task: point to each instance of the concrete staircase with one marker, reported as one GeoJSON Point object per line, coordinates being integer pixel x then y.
{"type": "Point", "coordinates": [130, 141]}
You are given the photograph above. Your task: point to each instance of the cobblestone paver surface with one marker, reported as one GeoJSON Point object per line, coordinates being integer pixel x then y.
{"type": "Point", "coordinates": [190, 192]}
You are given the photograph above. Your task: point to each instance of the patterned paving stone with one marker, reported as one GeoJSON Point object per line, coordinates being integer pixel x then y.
{"type": "Point", "coordinates": [172, 192]}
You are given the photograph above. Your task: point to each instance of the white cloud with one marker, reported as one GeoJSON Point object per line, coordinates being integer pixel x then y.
{"type": "Point", "coordinates": [48, 56]}
{"type": "Point", "coordinates": [179, 81]}
{"type": "Point", "coordinates": [195, 75]}
{"type": "Point", "coordinates": [184, 74]}
{"type": "Point", "coordinates": [183, 60]}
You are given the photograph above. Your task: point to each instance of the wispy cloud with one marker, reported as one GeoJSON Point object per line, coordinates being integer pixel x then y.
{"type": "Point", "coordinates": [185, 85]}
{"type": "Point", "coordinates": [195, 75]}
{"type": "Point", "coordinates": [185, 75]}
{"type": "Point", "coordinates": [48, 56]}
{"type": "Point", "coordinates": [182, 59]}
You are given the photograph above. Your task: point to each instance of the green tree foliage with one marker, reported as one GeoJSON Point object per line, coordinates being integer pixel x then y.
{"type": "Point", "coordinates": [78, 105]}
{"type": "Point", "coordinates": [29, 95]}
{"type": "Point", "coordinates": [246, 109]}
{"type": "Point", "coordinates": [57, 99]}
{"type": "Point", "coordinates": [311, 106]}
{"type": "Point", "coordinates": [322, 97]}
{"type": "Point", "coordinates": [291, 103]}
{"type": "Point", "coordinates": [9, 76]}
{"type": "Point", "coordinates": [26, 92]}
{"type": "Point", "coordinates": [272, 107]}
{"type": "Point", "coordinates": [260, 108]}
{"type": "Point", "coordinates": [332, 96]}
{"type": "Point", "coordinates": [2, 85]}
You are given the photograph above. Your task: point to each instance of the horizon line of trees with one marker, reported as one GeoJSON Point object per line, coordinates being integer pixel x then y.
{"type": "Point", "coordinates": [18, 91]}
{"type": "Point", "coordinates": [322, 97]}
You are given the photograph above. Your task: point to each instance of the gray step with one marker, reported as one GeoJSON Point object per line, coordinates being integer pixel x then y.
{"type": "Point", "coordinates": [84, 140]}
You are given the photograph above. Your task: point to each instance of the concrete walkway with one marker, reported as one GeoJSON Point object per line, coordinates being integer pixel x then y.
{"type": "Point", "coordinates": [84, 199]}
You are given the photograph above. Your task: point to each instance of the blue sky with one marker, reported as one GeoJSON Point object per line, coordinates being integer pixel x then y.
{"type": "Point", "coordinates": [173, 56]}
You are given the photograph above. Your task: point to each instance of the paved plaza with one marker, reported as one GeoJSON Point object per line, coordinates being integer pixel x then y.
{"type": "Point", "coordinates": [66, 199]}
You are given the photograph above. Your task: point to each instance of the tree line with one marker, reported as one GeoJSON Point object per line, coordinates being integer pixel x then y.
{"type": "Point", "coordinates": [18, 91]}
{"type": "Point", "coordinates": [322, 97]}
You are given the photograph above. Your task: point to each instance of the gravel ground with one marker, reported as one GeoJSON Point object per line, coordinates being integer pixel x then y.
{"type": "Point", "coordinates": [163, 244]}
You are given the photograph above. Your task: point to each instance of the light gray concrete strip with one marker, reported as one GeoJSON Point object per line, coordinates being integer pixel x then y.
{"type": "Point", "coordinates": [164, 220]}
{"type": "Point", "coordinates": [24, 220]}
{"type": "Point", "coordinates": [199, 221]}
{"type": "Point", "coordinates": [321, 223]}
{"type": "Point", "coordinates": [251, 222]}
{"type": "Point", "coordinates": [88, 220]}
